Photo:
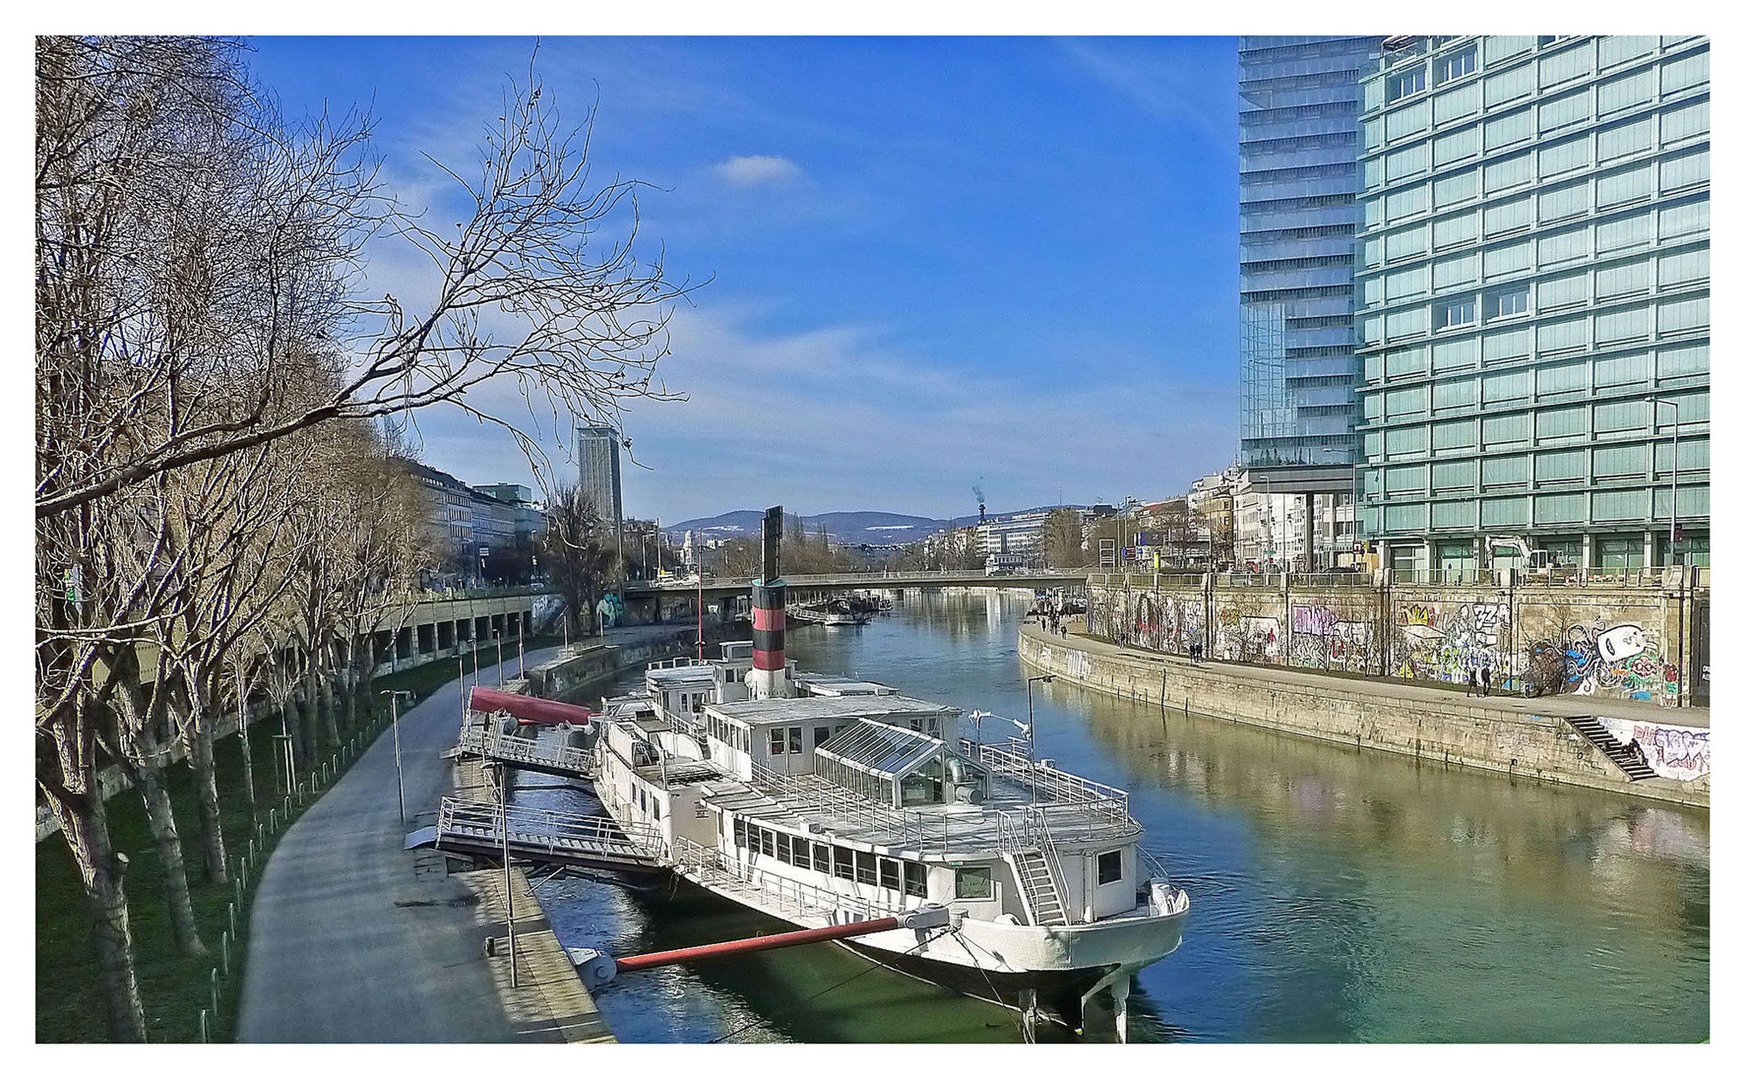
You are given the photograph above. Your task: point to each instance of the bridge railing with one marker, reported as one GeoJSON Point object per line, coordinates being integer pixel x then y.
{"type": "Point", "coordinates": [491, 743]}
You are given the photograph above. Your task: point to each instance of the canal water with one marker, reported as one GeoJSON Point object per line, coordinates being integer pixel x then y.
{"type": "Point", "coordinates": [1338, 895]}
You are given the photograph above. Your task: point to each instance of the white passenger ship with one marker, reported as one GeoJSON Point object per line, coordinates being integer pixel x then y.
{"type": "Point", "coordinates": [822, 800]}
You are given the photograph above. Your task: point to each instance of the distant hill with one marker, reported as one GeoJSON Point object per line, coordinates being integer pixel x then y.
{"type": "Point", "coordinates": [844, 526]}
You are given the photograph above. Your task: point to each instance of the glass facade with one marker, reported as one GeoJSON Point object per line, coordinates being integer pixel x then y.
{"type": "Point", "coordinates": [1533, 269]}
{"type": "Point", "coordinates": [1298, 129]}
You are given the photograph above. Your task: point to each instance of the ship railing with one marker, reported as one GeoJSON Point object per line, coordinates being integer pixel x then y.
{"type": "Point", "coordinates": [495, 745]}
{"type": "Point", "coordinates": [1057, 784]}
{"type": "Point", "coordinates": [807, 792]}
{"type": "Point", "coordinates": [533, 826]}
{"type": "Point", "coordinates": [773, 888]}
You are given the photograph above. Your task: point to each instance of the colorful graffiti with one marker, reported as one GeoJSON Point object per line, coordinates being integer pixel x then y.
{"type": "Point", "coordinates": [1620, 661]}
{"type": "Point", "coordinates": [1148, 620]}
{"type": "Point", "coordinates": [1321, 638]}
{"type": "Point", "coordinates": [1679, 753]}
{"type": "Point", "coordinates": [1444, 642]}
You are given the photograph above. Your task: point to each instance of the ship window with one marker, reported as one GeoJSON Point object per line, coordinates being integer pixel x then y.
{"type": "Point", "coordinates": [820, 735]}
{"type": "Point", "coordinates": [890, 874]}
{"type": "Point", "coordinates": [915, 879]}
{"type": "Point", "coordinates": [975, 883]}
{"type": "Point", "coordinates": [767, 841]}
{"type": "Point", "coordinates": [1109, 867]}
{"type": "Point", "coordinates": [821, 858]}
{"type": "Point", "coordinates": [803, 854]}
{"type": "Point", "coordinates": [845, 863]}
{"type": "Point", "coordinates": [784, 848]}
{"type": "Point", "coordinates": [794, 740]}
{"type": "Point", "coordinates": [864, 868]}
{"type": "Point", "coordinates": [739, 833]}
{"type": "Point", "coordinates": [778, 744]}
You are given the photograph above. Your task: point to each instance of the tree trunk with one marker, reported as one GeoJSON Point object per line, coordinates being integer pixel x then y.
{"type": "Point", "coordinates": [351, 684]}
{"type": "Point", "coordinates": [202, 759]}
{"type": "Point", "coordinates": [367, 677]}
{"type": "Point", "coordinates": [329, 707]}
{"type": "Point", "coordinates": [307, 720]}
{"type": "Point", "coordinates": [248, 755]}
{"type": "Point", "coordinates": [160, 815]}
{"type": "Point", "coordinates": [102, 876]}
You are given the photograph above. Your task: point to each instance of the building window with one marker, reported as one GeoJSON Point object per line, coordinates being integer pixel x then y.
{"type": "Point", "coordinates": [1457, 64]}
{"type": "Point", "coordinates": [1109, 867]}
{"type": "Point", "coordinates": [1503, 303]}
{"type": "Point", "coordinates": [1406, 83]}
{"type": "Point", "coordinates": [778, 744]}
{"type": "Point", "coordinates": [1453, 313]}
{"type": "Point", "coordinates": [974, 883]}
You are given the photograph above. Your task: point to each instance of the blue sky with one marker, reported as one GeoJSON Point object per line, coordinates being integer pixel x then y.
{"type": "Point", "coordinates": [930, 261]}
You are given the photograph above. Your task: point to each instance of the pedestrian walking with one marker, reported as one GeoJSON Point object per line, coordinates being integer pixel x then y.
{"type": "Point", "coordinates": [1485, 680]}
{"type": "Point", "coordinates": [1472, 682]}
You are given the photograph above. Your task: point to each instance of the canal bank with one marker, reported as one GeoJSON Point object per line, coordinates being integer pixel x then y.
{"type": "Point", "coordinates": [1521, 737]}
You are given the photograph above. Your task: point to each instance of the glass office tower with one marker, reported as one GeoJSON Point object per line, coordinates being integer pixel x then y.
{"type": "Point", "coordinates": [1534, 290]}
{"type": "Point", "coordinates": [1298, 147]}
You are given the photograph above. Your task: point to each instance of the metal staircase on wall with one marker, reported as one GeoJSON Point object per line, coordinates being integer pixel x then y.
{"type": "Point", "coordinates": [1602, 739]}
{"type": "Point", "coordinates": [1039, 886]}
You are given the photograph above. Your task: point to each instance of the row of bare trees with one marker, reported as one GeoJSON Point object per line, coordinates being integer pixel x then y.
{"type": "Point", "coordinates": [217, 517]}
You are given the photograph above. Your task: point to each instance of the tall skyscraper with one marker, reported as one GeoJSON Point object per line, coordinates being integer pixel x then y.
{"type": "Point", "coordinates": [597, 457]}
{"type": "Point", "coordinates": [1298, 182]}
{"type": "Point", "coordinates": [1534, 284]}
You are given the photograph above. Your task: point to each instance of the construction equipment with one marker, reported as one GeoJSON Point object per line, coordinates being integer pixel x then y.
{"type": "Point", "coordinates": [1531, 558]}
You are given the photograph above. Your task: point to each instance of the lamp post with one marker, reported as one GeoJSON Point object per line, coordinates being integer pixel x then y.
{"type": "Point", "coordinates": [1673, 502]}
{"type": "Point", "coordinates": [497, 636]}
{"type": "Point", "coordinates": [1031, 716]}
{"type": "Point", "coordinates": [508, 882]}
{"type": "Point", "coordinates": [393, 697]}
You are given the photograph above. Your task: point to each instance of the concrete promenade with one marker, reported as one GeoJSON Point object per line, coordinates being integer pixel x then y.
{"type": "Point", "coordinates": [354, 939]}
{"type": "Point", "coordinates": [1406, 693]}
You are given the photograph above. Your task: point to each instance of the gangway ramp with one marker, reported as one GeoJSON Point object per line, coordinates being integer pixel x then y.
{"type": "Point", "coordinates": [547, 837]}
{"type": "Point", "coordinates": [534, 755]}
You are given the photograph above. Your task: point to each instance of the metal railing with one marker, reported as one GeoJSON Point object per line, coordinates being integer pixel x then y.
{"type": "Point", "coordinates": [1061, 786]}
{"type": "Point", "coordinates": [538, 827]}
{"type": "Point", "coordinates": [713, 863]}
{"type": "Point", "coordinates": [490, 743]}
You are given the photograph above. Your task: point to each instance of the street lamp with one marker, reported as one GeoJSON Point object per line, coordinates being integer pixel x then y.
{"type": "Point", "coordinates": [393, 697]}
{"type": "Point", "coordinates": [1673, 503]}
{"type": "Point", "coordinates": [1031, 734]}
{"type": "Point", "coordinates": [502, 787]}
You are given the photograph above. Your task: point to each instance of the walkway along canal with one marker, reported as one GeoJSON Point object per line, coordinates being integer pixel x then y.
{"type": "Point", "coordinates": [1348, 895]}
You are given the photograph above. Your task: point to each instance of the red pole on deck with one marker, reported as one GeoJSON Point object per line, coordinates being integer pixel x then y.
{"type": "Point", "coordinates": [757, 944]}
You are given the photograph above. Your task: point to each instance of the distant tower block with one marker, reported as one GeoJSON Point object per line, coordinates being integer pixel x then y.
{"type": "Point", "coordinates": [769, 675]}
{"type": "Point", "coordinates": [597, 459]}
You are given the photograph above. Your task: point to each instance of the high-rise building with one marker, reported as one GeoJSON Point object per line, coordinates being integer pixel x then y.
{"type": "Point", "coordinates": [1534, 283]}
{"type": "Point", "coordinates": [597, 456]}
{"type": "Point", "coordinates": [1298, 182]}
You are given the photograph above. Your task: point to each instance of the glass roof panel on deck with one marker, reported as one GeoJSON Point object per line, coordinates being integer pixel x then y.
{"type": "Point", "coordinates": [880, 749]}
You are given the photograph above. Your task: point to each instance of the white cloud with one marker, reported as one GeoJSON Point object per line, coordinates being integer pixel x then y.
{"type": "Point", "coordinates": [756, 170]}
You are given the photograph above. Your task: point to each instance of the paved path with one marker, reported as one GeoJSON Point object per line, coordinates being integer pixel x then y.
{"type": "Point", "coordinates": [1551, 705]}
{"type": "Point", "coordinates": [346, 943]}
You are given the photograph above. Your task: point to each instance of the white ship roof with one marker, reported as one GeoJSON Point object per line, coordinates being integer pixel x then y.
{"type": "Point", "coordinates": [803, 709]}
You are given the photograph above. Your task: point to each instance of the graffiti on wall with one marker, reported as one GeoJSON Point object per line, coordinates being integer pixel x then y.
{"type": "Point", "coordinates": [1679, 753]}
{"type": "Point", "coordinates": [1148, 620]}
{"type": "Point", "coordinates": [1621, 660]}
{"type": "Point", "coordinates": [1446, 641]}
{"type": "Point", "coordinates": [1321, 638]}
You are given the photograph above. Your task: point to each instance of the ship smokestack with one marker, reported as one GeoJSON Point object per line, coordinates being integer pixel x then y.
{"type": "Point", "coordinates": [769, 675]}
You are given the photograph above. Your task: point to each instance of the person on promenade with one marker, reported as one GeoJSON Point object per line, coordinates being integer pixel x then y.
{"type": "Point", "coordinates": [1485, 681]}
{"type": "Point", "coordinates": [1472, 682]}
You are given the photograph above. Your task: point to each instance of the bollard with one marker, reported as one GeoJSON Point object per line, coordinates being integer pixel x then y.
{"type": "Point", "coordinates": [224, 951]}
{"type": "Point", "coordinates": [272, 816]}
{"type": "Point", "coordinates": [205, 1036]}
{"type": "Point", "coordinates": [230, 914]}
{"type": "Point", "coordinates": [239, 889]}
{"type": "Point", "coordinates": [214, 994]}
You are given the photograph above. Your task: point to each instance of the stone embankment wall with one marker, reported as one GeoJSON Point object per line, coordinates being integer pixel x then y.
{"type": "Point", "coordinates": [1457, 732]}
{"type": "Point", "coordinates": [1630, 638]}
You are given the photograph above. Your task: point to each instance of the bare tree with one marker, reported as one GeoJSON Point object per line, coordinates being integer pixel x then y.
{"type": "Point", "coordinates": [579, 554]}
